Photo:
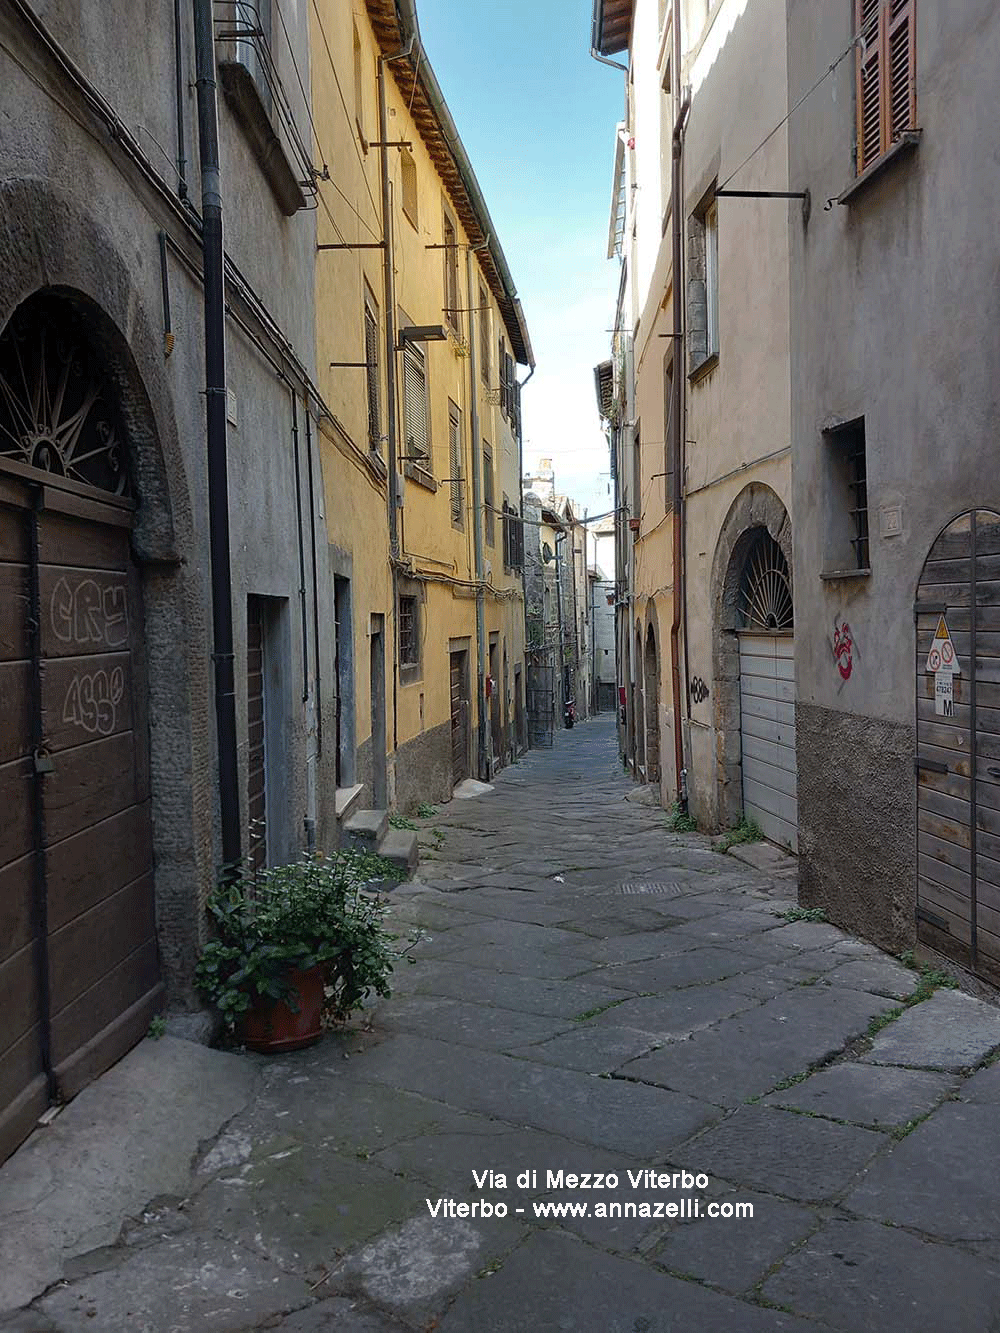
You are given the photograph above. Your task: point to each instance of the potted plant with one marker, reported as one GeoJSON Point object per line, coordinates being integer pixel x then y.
{"type": "Point", "coordinates": [294, 943]}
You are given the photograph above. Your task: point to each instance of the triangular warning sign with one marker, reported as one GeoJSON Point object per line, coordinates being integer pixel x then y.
{"type": "Point", "coordinates": [942, 656]}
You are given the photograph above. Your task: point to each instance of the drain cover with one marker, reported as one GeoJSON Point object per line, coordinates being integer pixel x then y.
{"type": "Point", "coordinates": [673, 887]}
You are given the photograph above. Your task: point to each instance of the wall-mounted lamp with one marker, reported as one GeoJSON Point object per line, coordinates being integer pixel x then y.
{"type": "Point", "coordinates": [421, 333]}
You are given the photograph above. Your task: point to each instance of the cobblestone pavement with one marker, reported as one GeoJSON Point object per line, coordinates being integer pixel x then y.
{"type": "Point", "coordinates": [592, 994]}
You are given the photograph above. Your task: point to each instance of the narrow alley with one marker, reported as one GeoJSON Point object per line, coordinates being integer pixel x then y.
{"type": "Point", "coordinates": [587, 993]}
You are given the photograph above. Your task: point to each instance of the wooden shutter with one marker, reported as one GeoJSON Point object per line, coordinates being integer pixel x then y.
{"type": "Point", "coordinates": [886, 75]}
{"type": "Point", "coordinates": [371, 373]}
{"type": "Point", "coordinates": [901, 68]}
{"type": "Point", "coordinates": [455, 462]}
{"type": "Point", "coordinates": [869, 89]}
{"type": "Point", "coordinates": [489, 513]}
{"type": "Point", "coordinates": [511, 390]}
{"type": "Point", "coordinates": [484, 334]}
{"type": "Point", "coordinates": [415, 404]}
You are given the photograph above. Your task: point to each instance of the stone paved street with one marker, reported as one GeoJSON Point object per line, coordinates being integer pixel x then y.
{"type": "Point", "coordinates": [590, 993]}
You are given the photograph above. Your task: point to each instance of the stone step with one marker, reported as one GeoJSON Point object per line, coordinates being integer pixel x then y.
{"type": "Point", "coordinates": [347, 801]}
{"type": "Point", "coordinates": [365, 829]}
{"type": "Point", "coordinates": [400, 847]}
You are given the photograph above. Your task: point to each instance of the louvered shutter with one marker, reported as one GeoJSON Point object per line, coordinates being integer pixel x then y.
{"type": "Point", "coordinates": [502, 372]}
{"type": "Point", "coordinates": [455, 463]}
{"type": "Point", "coordinates": [886, 83]}
{"type": "Point", "coordinates": [901, 67]}
{"type": "Point", "coordinates": [511, 391]}
{"type": "Point", "coordinates": [869, 92]}
{"type": "Point", "coordinates": [371, 374]}
{"type": "Point", "coordinates": [415, 404]}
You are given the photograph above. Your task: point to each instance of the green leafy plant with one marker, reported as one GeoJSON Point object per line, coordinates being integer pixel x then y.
{"type": "Point", "coordinates": [319, 911]}
{"type": "Point", "coordinates": [157, 1027]}
{"type": "Point", "coordinates": [747, 830]}
{"type": "Point", "coordinates": [425, 811]}
{"type": "Point", "coordinates": [400, 821]}
{"type": "Point", "coordinates": [814, 914]}
{"type": "Point", "coordinates": [680, 822]}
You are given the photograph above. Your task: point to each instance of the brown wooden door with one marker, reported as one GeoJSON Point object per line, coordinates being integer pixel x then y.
{"type": "Point", "coordinates": [958, 747]}
{"type": "Point", "coordinates": [76, 860]}
{"type": "Point", "coordinates": [459, 720]}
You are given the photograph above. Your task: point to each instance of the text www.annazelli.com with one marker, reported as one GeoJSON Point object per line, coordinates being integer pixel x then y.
{"type": "Point", "coordinates": [676, 1210]}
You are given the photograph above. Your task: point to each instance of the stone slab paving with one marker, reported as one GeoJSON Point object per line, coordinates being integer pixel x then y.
{"type": "Point", "coordinates": [546, 1021]}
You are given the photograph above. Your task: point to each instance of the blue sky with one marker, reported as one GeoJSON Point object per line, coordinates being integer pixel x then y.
{"type": "Point", "coordinates": [537, 116]}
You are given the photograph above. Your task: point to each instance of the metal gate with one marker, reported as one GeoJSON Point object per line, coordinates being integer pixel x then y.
{"type": "Point", "coordinates": [459, 719]}
{"type": "Point", "coordinates": [767, 734]}
{"type": "Point", "coordinates": [79, 975]}
{"type": "Point", "coordinates": [541, 706]}
{"type": "Point", "coordinates": [958, 744]}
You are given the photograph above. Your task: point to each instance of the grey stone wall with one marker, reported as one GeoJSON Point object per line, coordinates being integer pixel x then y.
{"type": "Point", "coordinates": [423, 769]}
{"type": "Point", "coordinates": [857, 823]}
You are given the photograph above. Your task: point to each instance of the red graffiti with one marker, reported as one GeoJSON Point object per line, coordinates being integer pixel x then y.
{"type": "Point", "coordinates": [843, 649]}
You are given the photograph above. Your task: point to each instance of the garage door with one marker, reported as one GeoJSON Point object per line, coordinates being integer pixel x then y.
{"type": "Point", "coordinates": [78, 959]}
{"type": "Point", "coordinates": [767, 734]}
{"type": "Point", "coordinates": [958, 744]}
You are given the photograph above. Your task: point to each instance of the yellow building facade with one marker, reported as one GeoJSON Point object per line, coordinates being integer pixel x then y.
{"type": "Point", "coordinates": [419, 333]}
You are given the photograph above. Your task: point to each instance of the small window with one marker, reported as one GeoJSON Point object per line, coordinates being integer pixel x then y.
{"type": "Point", "coordinates": [489, 500]}
{"type": "Point", "coordinates": [503, 361]}
{"type": "Point", "coordinates": [484, 334]}
{"type": "Point", "coordinates": [409, 170]}
{"type": "Point", "coordinates": [847, 546]}
{"type": "Point", "coordinates": [409, 636]}
{"type": "Point", "coordinates": [703, 287]}
{"type": "Point", "coordinates": [886, 76]}
{"type": "Point", "coordinates": [455, 464]}
{"type": "Point", "coordinates": [452, 304]}
{"type": "Point", "coordinates": [415, 424]}
{"type": "Point", "coordinates": [372, 372]}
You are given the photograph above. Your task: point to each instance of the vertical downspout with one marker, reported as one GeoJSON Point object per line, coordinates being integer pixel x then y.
{"type": "Point", "coordinates": [215, 408]}
{"type": "Point", "coordinates": [483, 713]}
{"type": "Point", "coordinates": [182, 188]}
{"type": "Point", "coordinates": [392, 440]}
{"type": "Point", "coordinates": [317, 687]}
{"type": "Point", "coordinates": [677, 409]}
{"type": "Point", "coordinates": [301, 542]}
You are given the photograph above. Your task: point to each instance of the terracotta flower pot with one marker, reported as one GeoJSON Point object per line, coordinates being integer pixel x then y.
{"type": "Point", "coordinates": [270, 1025]}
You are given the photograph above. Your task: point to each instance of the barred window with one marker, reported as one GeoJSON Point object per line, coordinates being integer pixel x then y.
{"type": "Point", "coordinates": [409, 639]}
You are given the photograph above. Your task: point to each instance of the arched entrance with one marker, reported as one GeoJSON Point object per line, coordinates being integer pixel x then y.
{"type": "Point", "coordinates": [651, 676]}
{"type": "Point", "coordinates": [754, 666]}
{"type": "Point", "coordinates": [78, 949]}
{"type": "Point", "coordinates": [958, 744]}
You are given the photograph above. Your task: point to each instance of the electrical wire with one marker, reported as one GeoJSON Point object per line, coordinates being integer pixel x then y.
{"type": "Point", "coordinates": [787, 117]}
{"type": "Point", "coordinates": [347, 113]}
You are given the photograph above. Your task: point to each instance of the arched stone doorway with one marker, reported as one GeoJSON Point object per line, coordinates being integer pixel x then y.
{"type": "Point", "coordinates": [754, 665]}
{"type": "Point", "coordinates": [651, 675]}
{"type": "Point", "coordinates": [81, 956]}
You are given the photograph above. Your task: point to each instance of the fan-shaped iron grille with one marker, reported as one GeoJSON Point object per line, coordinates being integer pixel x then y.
{"type": "Point", "coordinates": [57, 410]}
{"type": "Point", "coordinates": [765, 594]}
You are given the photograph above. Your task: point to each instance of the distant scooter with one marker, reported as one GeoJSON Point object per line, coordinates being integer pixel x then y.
{"type": "Point", "coordinates": [569, 713]}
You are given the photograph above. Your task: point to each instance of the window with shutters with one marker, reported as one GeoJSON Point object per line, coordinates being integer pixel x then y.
{"type": "Point", "coordinates": [455, 464]}
{"type": "Point", "coordinates": [703, 286]}
{"type": "Point", "coordinates": [886, 76]}
{"type": "Point", "coordinates": [371, 373]}
{"type": "Point", "coordinates": [502, 362]}
{"type": "Point", "coordinates": [489, 500]}
{"type": "Point", "coordinates": [416, 434]}
{"type": "Point", "coordinates": [408, 168]}
{"type": "Point", "coordinates": [512, 392]}
{"type": "Point", "coordinates": [668, 432]}
{"type": "Point", "coordinates": [452, 304]}
{"type": "Point", "coordinates": [484, 334]}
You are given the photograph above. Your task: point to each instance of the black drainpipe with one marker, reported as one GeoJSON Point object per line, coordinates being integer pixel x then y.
{"type": "Point", "coordinates": [215, 403]}
{"type": "Point", "coordinates": [182, 188]}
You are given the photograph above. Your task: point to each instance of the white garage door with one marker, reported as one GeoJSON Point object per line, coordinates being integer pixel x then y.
{"type": "Point", "coordinates": [767, 732]}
